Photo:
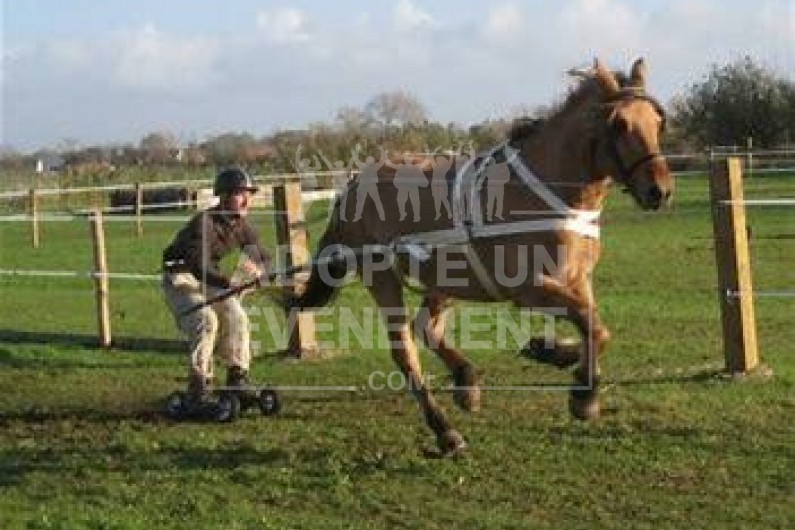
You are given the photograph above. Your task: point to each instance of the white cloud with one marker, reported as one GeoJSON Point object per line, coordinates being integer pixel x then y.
{"type": "Point", "coordinates": [149, 59]}
{"type": "Point", "coordinates": [685, 38]}
{"type": "Point", "coordinates": [603, 27]}
{"type": "Point", "coordinates": [504, 24]}
{"type": "Point", "coordinates": [409, 17]}
{"type": "Point", "coordinates": [478, 63]}
{"type": "Point", "coordinates": [283, 25]}
{"type": "Point", "coordinates": [69, 54]}
{"type": "Point", "coordinates": [778, 26]}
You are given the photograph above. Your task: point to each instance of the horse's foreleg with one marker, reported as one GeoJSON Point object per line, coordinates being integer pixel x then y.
{"type": "Point", "coordinates": [429, 324]}
{"type": "Point", "coordinates": [584, 398]}
{"type": "Point", "coordinates": [387, 291]}
{"type": "Point", "coordinates": [580, 309]}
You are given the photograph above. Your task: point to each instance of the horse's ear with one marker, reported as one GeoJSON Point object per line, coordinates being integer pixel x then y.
{"type": "Point", "coordinates": [606, 78]}
{"type": "Point", "coordinates": [638, 73]}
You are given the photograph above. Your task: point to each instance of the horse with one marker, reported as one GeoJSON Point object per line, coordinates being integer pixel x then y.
{"type": "Point", "coordinates": [607, 130]}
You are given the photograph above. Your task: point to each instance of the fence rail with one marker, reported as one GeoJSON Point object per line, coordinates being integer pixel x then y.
{"type": "Point", "coordinates": [277, 179]}
{"type": "Point", "coordinates": [288, 221]}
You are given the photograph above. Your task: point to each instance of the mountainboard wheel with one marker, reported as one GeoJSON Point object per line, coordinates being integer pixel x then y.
{"type": "Point", "coordinates": [269, 402]}
{"type": "Point", "coordinates": [228, 408]}
{"type": "Point", "coordinates": [175, 405]}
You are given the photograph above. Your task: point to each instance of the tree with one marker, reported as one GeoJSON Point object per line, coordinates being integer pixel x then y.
{"type": "Point", "coordinates": [735, 102]}
{"type": "Point", "coordinates": [230, 148]}
{"type": "Point", "coordinates": [351, 120]}
{"type": "Point", "coordinates": [395, 108]}
{"type": "Point", "coordinates": [158, 147]}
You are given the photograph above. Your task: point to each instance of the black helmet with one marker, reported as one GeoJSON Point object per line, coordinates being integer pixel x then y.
{"type": "Point", "coordinates": [231, 180]}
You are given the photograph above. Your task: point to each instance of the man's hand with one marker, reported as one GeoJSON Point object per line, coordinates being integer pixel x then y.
{"type": "Point", "coordinates": [243, 287]}
{"type": "Point", "coordinates": [249, 277]}
{"type": "Point", "coordinates": [251, 268]}
{"type": "Point", "coordinates": [262, 280]}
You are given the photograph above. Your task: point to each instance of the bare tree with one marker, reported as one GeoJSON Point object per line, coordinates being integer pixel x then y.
{"type": "Point", "coordinates": [395, 108]}
{"type": "Point", "coordinates": [232, 148]}
{"type": "Point", "coordinates": [158, 147]}
{"type": "Point", "coordinates": [352, 120]}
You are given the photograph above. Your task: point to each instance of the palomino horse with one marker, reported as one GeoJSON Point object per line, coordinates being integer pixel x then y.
{"type": "Point", "coordinates": [556, 178]}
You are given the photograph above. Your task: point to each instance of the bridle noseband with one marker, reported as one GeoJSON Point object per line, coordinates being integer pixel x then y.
{"type": "Point", "coordinates": [626, 173]}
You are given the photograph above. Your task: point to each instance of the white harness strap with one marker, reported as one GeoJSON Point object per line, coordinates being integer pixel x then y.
{"type": "Point", "coordinates": [465, 230]}
{"type": "Point", "coordinates": [468, 217]}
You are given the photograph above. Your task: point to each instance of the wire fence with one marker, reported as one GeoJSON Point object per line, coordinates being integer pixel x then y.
{"type": "Point", "coordinates": [132, 257]}
{"type": "Point", "coordinates": [46, 258]}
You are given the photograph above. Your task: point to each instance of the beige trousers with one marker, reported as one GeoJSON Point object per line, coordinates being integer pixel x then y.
{"type": "Point", "coordinates": [224, 322]}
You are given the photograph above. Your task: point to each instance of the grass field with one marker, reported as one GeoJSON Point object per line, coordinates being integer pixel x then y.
{"type": "Point", "coordinates": [83, 444]}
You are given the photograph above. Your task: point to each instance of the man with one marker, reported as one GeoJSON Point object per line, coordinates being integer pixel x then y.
{"type": "Point", "coordinates": [191, 274]}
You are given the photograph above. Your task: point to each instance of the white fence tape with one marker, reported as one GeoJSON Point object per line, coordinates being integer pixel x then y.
{"type": "Point", "coordinates": [79, 274]}
{"type": "Point", "coordinates": [784, 201]}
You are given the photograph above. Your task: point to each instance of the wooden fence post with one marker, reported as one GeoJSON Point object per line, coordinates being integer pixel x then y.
{"type": "Point", "coordinates": [291, 235]}
{"type": "Point", "coordinates": [101, 284]}
{"type": "Point", "coordinates": [734, 266]}
{"type": "Point", "coordinates": [34, 217]}
{"type": "Point", "coordinates": [139, 204]}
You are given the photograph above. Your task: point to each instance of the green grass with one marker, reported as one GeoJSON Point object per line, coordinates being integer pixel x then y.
{"type": "Point", "coordinates": [83, 445]}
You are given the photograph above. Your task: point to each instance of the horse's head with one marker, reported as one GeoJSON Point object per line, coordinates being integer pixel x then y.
{"type": "Point", "coordinates": [628, 137]}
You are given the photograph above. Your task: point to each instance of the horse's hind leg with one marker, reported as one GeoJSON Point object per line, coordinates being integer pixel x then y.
{"type": "Point", "coordinates": [386, 288]}
{"type": "Point", "coordinates": [430, 324]}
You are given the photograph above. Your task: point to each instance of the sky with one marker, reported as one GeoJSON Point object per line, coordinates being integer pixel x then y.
{"type": "Point", "coordinates": [107, 72]}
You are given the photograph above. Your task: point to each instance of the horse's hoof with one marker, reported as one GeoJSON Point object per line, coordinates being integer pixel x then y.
{"type": "Point", "coordinates": [467, 390]}
{"type": "Point", "coordinates": [467, 398]}
{"type": "Point", "coordinates": [563, 354]}
{"type": "Point", "coordinates": [451, 443]}
{"type": "Point", "coordinates": [586, 408]}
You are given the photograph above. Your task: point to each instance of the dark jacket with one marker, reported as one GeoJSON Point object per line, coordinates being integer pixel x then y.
{"type": "Point", "coordinates": [210, 236]}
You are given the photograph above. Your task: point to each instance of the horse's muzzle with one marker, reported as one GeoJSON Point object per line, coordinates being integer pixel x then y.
{"type": "Point", "coordinates": [656, 186]}
{"type": "Point", "coordinates": [657, 197]}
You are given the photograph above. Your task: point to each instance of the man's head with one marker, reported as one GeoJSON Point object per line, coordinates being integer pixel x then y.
{"type": "Point", "coordinates": [234, 188]}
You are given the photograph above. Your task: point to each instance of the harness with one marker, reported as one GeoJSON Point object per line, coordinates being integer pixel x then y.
{"type": "Point", "coordinates": [469, 225]}
{"type": "Point", "coordinates": [468, 221]}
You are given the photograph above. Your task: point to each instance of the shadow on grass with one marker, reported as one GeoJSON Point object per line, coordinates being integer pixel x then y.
{"type": "Point", "coordinates": [711, 375]}
{"type": "Point", "coordinates": [36, 414]}
{"type": "Point", "coordinates": [16, 463]}
{"type": "Point", "coordinates": [298, 406]}
{"type": "Point", "coordinates": [90, 341]}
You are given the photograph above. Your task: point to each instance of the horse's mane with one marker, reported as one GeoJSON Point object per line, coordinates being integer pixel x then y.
{"type": "Point", "coordinates": [524, 127]}
{"type": "Point", "coordinates": [584, 90]}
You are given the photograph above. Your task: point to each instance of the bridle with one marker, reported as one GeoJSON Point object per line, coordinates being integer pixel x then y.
{"type": "Point", "coordinates": [626, 172]}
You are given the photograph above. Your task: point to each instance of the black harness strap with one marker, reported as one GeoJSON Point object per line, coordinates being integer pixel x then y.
{"type": "Point", "coordinates": [628, 172]}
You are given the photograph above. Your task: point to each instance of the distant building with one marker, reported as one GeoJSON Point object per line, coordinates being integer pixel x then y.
{"type": "Point", "coordinates": [49, 162]}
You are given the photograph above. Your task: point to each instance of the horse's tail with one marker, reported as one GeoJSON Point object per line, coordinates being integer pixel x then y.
{"type": "Point", "coordinates": [318, 292]}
